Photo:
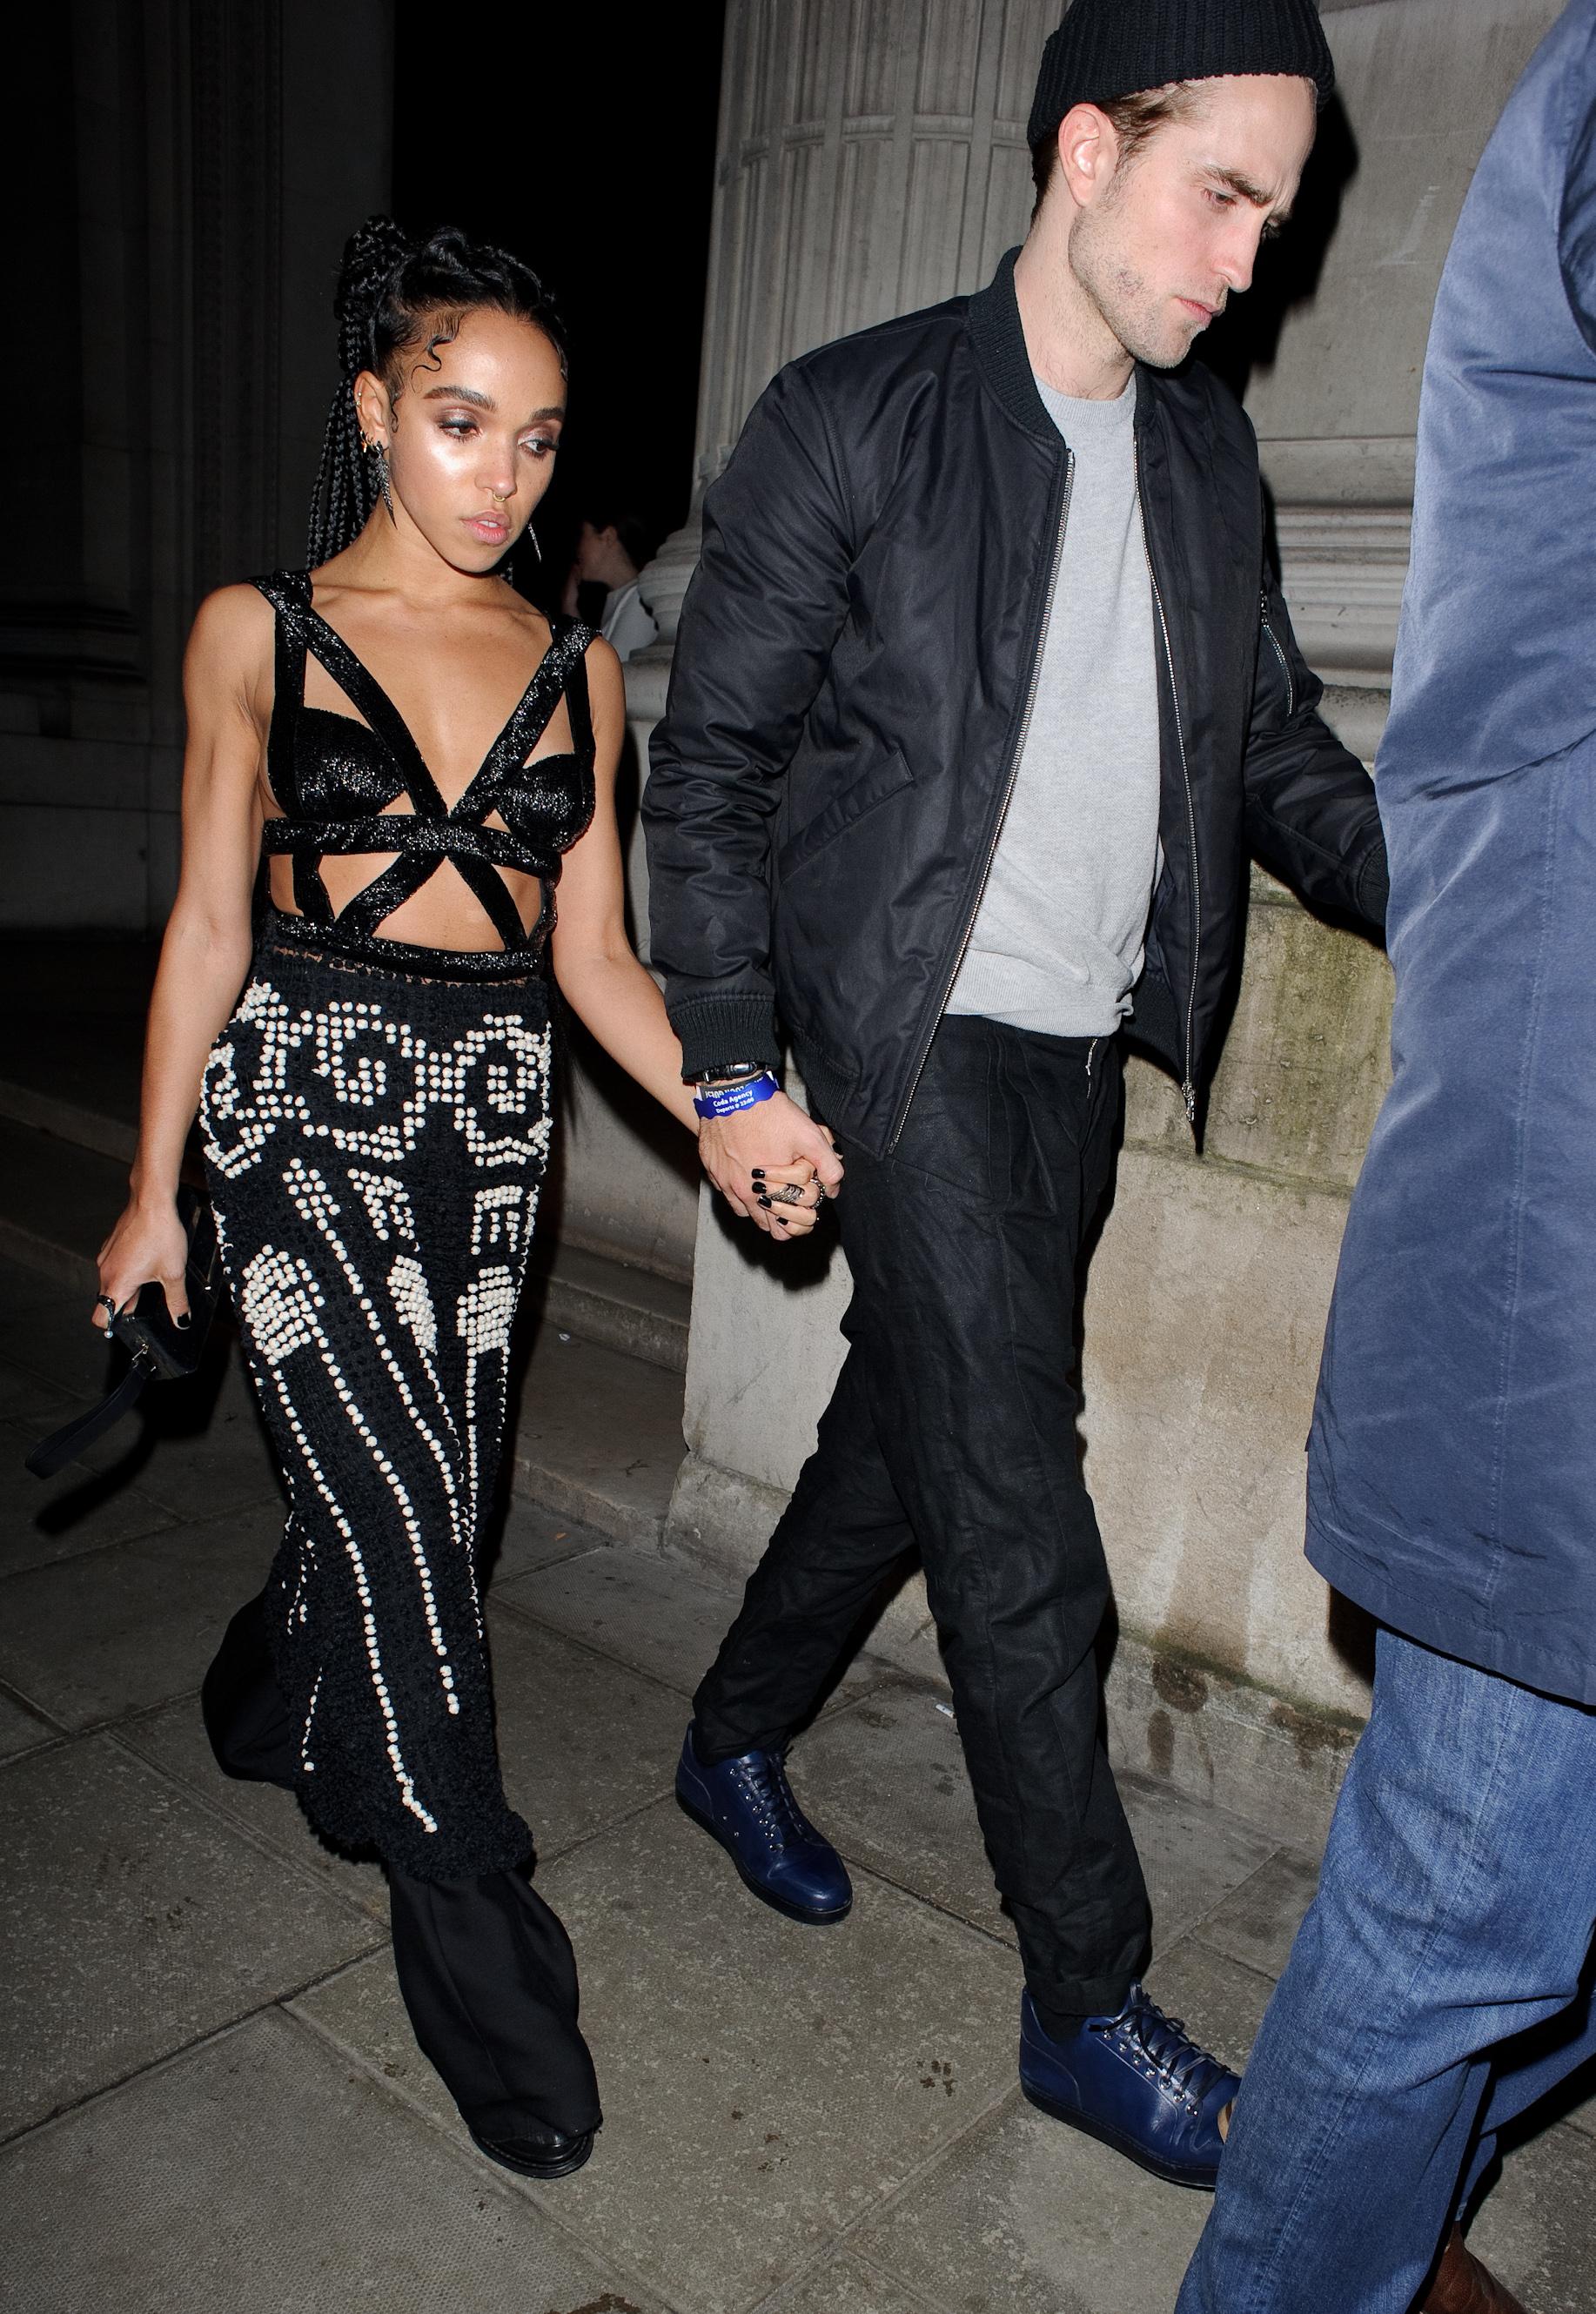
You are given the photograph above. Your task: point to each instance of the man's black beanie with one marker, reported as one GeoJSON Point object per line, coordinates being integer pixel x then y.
{"type": "Point", "coordinates": [1105, 49]}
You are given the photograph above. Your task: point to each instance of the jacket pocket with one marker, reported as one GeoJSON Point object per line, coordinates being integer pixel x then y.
{"type": "Point", "coordinates": [841, 812]}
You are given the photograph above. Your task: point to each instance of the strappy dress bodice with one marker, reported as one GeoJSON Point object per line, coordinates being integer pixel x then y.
{"type": "Point", "coordinates": [331, 777]}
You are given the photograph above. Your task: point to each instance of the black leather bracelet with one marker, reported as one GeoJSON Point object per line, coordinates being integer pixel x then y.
{"type": "Point", "coordinates": [727, 1073]}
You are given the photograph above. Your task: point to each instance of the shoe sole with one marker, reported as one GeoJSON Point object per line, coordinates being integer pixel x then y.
{"type": "Point", "coordinates": [1120, 2143]}
{"type": "Point", "coordinates": [565, 2166]}
{"type": "Point", "coordinates": [776, 1904]}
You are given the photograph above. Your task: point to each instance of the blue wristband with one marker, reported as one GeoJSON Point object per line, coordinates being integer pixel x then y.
{"type": "Point", "coordinates": [729, 1100]}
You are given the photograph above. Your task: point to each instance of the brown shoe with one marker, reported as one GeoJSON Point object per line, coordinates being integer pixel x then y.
{"type": "Point", "coordinates": [1464, 2286]}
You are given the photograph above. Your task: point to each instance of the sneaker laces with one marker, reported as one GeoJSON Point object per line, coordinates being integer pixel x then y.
{"type": "Point", "coordinates": [764, 1779]}
{"type": "Point", "coordinates": [1190, 2071]}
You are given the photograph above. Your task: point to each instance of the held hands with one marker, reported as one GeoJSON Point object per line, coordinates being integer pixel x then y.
{"type": "Point", "coordinates": [761, 1154]}
{"type": "Point", "coordinates": [149, 1246]}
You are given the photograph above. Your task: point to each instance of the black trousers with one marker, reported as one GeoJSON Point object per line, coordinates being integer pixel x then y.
{"type": "Point", "coordinates": [485, 1968]}
{"type": "Point", "coordinates": [952, 1432]}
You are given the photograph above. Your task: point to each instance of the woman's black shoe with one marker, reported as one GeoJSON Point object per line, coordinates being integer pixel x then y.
{"type": "Point", "coordinates": [552, 2155]}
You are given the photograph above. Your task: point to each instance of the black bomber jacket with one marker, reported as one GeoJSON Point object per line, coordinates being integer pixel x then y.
{"type": "Point", "coordinates": [853, 675]}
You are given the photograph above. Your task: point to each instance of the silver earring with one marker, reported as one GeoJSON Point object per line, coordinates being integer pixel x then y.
{"type": "Point", "coordinates": [536, 549]}
{"type": "Point", "coordinates": [374, 449]}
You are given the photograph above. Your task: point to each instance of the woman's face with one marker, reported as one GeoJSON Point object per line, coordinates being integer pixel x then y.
{"type": "Point", "coordinates": [471, 438]}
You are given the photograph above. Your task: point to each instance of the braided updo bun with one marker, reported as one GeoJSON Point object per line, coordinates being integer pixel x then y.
{"type": "Point", "coordinates": [395, 296]}
{"type": "Point", "coordinates": [372, 254]}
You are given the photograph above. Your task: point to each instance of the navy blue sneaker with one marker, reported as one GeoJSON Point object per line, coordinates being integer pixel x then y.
{"type": "Point", "coordinates": [1135, 2081]}
{"type": "Point", "coordinates": [746, 1804]}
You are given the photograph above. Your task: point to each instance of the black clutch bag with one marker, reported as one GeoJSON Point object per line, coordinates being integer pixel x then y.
{"type": "Point", "coordinates": [158, 1349]}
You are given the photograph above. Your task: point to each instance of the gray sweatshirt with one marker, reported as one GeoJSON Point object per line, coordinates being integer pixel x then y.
{"type": "Point", "coordinates": [1058, 940]}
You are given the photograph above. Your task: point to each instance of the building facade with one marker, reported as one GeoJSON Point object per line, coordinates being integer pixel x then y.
{"type": "Point", "coordinates": [190, 169]}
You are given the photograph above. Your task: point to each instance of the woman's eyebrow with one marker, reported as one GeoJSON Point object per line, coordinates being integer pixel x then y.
{"type": "Point", "coordinates": [486, 401]}
{"type": "Point", "coordinates": [460, 393]}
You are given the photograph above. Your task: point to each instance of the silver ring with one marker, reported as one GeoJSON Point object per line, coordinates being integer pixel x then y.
{"type": "Point", "coordinates": [787, 1193]}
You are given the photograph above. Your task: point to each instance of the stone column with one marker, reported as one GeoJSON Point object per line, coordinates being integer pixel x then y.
{"type": "Point", "coordinates": [1336, 401]}
{"type": "Point", "coordinates": [871, 158]}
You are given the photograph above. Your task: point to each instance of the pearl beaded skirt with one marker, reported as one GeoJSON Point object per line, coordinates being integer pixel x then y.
{"type": "Point", "coordinates": [374, 1144]}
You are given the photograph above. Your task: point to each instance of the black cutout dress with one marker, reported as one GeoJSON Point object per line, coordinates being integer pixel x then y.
{"type": "Point", "coordinates": [377, 1119]}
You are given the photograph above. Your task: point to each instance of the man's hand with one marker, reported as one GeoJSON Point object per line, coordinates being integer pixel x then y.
{"type": "Point", "coordinates": [754, 1156]}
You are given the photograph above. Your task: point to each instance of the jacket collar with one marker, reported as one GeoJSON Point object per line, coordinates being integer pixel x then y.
{"type": "Point", "coordinates": [998, 339]}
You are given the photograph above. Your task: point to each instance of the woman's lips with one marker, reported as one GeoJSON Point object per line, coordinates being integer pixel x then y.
{"type": "Point", "coordinates": [492, 529]}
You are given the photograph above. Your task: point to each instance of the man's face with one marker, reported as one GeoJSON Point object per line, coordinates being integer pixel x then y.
{"type": "Point", "coordinates": [598, 553]}
{"type": "Point", "coordinates": [1161, 242]}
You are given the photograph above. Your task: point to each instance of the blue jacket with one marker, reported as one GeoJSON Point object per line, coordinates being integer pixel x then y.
{"type": "Point", "coordinates": [1452, 1461]}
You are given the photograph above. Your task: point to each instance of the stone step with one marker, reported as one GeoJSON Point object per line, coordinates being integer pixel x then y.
{"type": "Point", "coordinates": [595, 1424]}
{"type": "Point", "coordinates": [58, 1200]}
{"type": "Point", "coordinates": [593, 1436]}
{"type": "Point", "coordinates": [96, 1128]}
{"type": "Point", "coordinates": [596, 1435]}
{"type": "Point", "coordinates": [64, 1177]}
{"type": "Point", "coordinates": [595, 1427]}
{"type": "Point", "coordinates": [613, 1304]}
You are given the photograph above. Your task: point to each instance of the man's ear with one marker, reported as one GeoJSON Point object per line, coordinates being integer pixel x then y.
{"type": "Point", "coordinates": [1088, 152]}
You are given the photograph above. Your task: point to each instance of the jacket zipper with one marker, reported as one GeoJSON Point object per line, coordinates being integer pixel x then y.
{"type": "Point", "coordinates": [1291, 688]}
{"type": "Point", "coordinates": [1188, 1090]}
{"type": "Point", "coordinates": [1013, 773]}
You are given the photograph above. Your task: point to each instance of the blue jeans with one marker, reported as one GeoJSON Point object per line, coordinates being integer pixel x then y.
{"type": "Point", "coordinates": [1437, 1988]}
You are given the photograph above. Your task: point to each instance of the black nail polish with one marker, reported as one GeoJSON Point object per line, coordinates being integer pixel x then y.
{"type": "Point", "coordinates": [764, 1201]}
{"type": "Point", "coordinates": [757, 1172]}
{"type": "Point", "coordinates": [185, 1321]}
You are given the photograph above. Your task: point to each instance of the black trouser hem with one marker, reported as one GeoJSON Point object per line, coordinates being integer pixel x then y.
{"type": "Point", "coordinates": [484, 1966]}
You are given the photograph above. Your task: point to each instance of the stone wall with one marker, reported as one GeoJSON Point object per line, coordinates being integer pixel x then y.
{"type": "Point", "coordinates": [196, 167]}
{"type": "Point", "coordinates": [191, 169]}
{"type": "Point", "coordinates": [862, 171]}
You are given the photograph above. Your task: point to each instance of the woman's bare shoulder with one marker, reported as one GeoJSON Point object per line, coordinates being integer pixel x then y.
{"type": "Point", "coordinates": [233, 621]}
{"type": "Point", "coordinates": [230, 643]}
{"type": "Point", "coordinates": [604, 677]}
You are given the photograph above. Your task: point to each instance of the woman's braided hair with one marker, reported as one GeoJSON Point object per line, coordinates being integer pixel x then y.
{"type": "Point", "coordinates": [396, 296]}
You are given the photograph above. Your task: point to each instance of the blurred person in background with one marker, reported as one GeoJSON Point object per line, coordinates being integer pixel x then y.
{"type": "Point", "coordinates": [611, 549]}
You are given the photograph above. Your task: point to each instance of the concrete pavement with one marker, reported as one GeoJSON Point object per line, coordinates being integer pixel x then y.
{"type": "Point", "coordinates": [212, 2099]}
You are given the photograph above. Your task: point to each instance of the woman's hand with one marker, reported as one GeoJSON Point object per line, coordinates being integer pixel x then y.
{"type": "Point", "coordinates": [788, 1199]}
{"type": "Point", "coordinates": [773, 1145]}
{"type": "Point", "coordinates": [148, 1246]}
{"type": "Point", "coordinates": [773, 1164]}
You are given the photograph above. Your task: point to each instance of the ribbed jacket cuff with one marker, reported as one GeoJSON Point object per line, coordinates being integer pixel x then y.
{"type": "Point", "coordinates": [1374, 887]}
{"type": "Point", "coordinates": [717, 1031]}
